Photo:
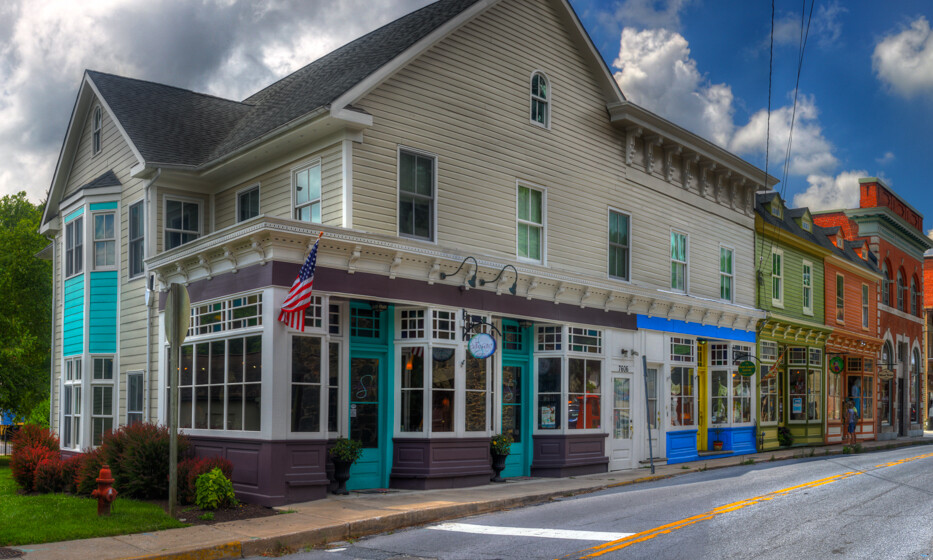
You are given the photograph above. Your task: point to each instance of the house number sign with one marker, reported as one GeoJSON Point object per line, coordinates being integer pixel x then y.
{"type": "Point", "coordinates": [482, 346]}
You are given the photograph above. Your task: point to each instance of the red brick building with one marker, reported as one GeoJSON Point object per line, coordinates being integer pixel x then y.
{"type": "Point", "coordinates": [928, 329]}
{"type": "Point", "coordinates": [894, 233]}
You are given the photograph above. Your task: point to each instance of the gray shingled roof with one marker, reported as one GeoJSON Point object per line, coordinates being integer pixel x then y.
{"type": "Point", "coordinates": [174, 126]}
{"type": "Point", "coordinates": [818, 236]}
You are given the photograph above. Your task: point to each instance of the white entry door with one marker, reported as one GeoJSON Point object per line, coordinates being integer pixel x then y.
{"type": "Point", "coordinates": [621, 453]}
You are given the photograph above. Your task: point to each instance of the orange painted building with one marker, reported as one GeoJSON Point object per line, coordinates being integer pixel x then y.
{"type": "Point", "coordinates": [852, 286]}
{"type": "Point", "coordinates": [893, 232]}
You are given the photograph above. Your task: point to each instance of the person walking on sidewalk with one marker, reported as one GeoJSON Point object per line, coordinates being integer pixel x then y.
{"type": "Point", "coordinates": [851, 420]}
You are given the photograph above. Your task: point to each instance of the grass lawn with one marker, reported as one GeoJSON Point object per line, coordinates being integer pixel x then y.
{"type": "Point", "coordinates": [60, 517]}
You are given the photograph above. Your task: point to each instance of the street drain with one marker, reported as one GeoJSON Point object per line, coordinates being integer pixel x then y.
{"type": "Point", "coordinates": [10, 553]}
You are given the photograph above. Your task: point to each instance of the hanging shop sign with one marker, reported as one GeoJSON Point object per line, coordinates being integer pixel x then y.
{"type": "Point", "coordinates": [836, 364]}
{"type": "Point", "coordinates": [885, 374]}
{"type": "Point", "coordinates": [747, 368]}
{"type": "Point", "coordinates": [482, 346]}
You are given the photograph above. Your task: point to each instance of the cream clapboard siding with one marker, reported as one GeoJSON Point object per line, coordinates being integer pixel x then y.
{"type": "Point", "coordinates": [114, 154]}
{"type": "Point", "coordinates": [132, 331]}
{"type": "Point", "coordinates": [467, 101]}
{"type": "Point", "coordinates": [275, 189]}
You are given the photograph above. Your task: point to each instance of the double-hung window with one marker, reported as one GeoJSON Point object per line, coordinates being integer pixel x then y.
{"type": "Point", "coordinates": [74, 247]}
{"type": "Point", "coordinates": [134, 397]}
{"type": "Point", "coordinates": [840, 298]}
{"type": "Point", "coordinates": [726, 273]}
{"type": "Point", "coordinates": [101, 399]}
{"type": "Point", "coordinates": [307, 185]}
{"type": "Point", "coordinates": [247, 204]}
{"type": "Point", "coordinates": [900, 290]}
{"type": "Point", "coordinates": [540, 100]}
{"type": "Point", "coordinates": [864, 306]}
{"type": "Point", "coordinates": [777, 278]}
{"type": "Point", "coordinates": [618, 245]}
{"type": "Point", "coordinates": [678, 261]}
{"type": "Point", "coordinates": [914, 297]}
{"type": "Point", "coordinates": [137, 240]}
{"type": "Point", "coordinates": [182, 222]}
{"type": "Point", "coordinates": [885, 284]}
{"type": "Point", "coordinates": [530, 224]}
{"type": "Point", "coordinates": [808, 287]}
{"type": "Point", "coordinates": [416, 185]}
{"type": "Point", "coordinates": [105, 243]}
{"type": "Point", "coordinates": [71, 404]}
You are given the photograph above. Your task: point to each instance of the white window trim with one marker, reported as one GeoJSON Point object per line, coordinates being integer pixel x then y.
{"type": "Point", "coordinates": [144, 217]}
{"type": "Point", "coordinates": [779, 302]}
{"type": "Point", "coordinates": [323, 384]}
{"type": "Point", "coordinates": [293, 185]}
{"type": "Point", "coordinates": [244, 190]}
{"type": "Point", "coordinates": [549, 100]}
{"type": "Point", "coordinates": [730, 274]}
{"type": "Point", "coordinates": [84, 256]}
{"type": "Point", "coordinates": [398, 191]}
{"type": "Point", "coordinates": [628, 264]}
{"type": "Point", "coordinates": [866, 308]}
{"type": "Point", "coordinates": [804, 286]}
{"type": "Point", "coordinates": [543, 225]}
{"type": "Point", "coordinates": [114, 394]}
{"type": "Point", "coordinates": [142, 387]}
{"type": "Point", "coordinates": [165, 230]}
{"type": "Point", "coordinates": [116, 237]}
{"type": "Point", "coordinates": [78, 438]}
{"type": "Point", "coordinates": [97, 134]}
{"type": "Point", "coordinates": [686, 261]}
{"type": "Point", "coordinates": [836, 307]}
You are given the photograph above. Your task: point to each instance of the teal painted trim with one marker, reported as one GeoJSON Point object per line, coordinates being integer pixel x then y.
{"type": "Point", "coordinates": [73, 321]}
{"type": "Point", "coordinates": [102, 312]}
{"type": "Point", "coordinates": [519, 464]}
{"type": "Point", "coordinates": [74, 215]}
{"type": "Point", "coordinates": [104, 206]}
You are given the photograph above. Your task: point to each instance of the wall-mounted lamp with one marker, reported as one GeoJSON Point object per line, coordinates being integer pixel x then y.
{"type": "Point", "coordinates": [496, 279]}
{"type": "Point", "coordinates": [378, 306]}
{"type": "Point", "coordinates": [471, 281]}
{"type": "Point", "coordinates": [624, 352]}
{"type": "Point", "coordinates": [524, 323]}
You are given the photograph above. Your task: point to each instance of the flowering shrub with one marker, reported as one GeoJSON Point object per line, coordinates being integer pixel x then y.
{"type": "Point", "coordinates": [70, 469]}
{"type": "Point", "coordinates": [23, 464]}
{"type": "Point", "coordinates": [31, 435]}
{"type": "Point", "coordinates": [49, 476]}
{"type": "Point", "coordinates": [138, 458]}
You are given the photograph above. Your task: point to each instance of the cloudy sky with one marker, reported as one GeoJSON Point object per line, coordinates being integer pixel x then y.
{"type": "Point", "coordinates": [864, 105]}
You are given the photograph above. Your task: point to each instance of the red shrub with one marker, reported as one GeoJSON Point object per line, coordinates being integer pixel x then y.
{"type": "Point", "coordinates": [190, 469]}
{"type": "Point", "coordinates": [23, 464]}
{"type": "Point", "coordinates": [88, 471]}
{"type": "Point", "coordinates": [49, 476]}
{"type": "Point", "coordinates": [31, 435]}
{"type": "Point", "coordinates": [70, 469]}
{"type": "Point", "coordinates": [138, 457]}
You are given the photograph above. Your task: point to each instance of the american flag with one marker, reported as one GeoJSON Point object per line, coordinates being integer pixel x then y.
{"type": "Point", "coordinates": [299, 297]}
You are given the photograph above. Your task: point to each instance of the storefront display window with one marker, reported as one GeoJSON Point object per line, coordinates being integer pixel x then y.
{"type": "Point", "coordinates": [569, 379]}
{"type": "Point", "coordinates": [682, 397]}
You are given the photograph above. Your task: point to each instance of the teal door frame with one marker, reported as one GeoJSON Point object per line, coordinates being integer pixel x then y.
{"type": "Point", "coordinates": [378, 347]}
{"type": "Point", "coordinates": [519, 461]}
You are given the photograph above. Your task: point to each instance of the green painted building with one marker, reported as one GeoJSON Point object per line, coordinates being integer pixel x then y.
{"type": "Point", "coordinates": [789, 252]}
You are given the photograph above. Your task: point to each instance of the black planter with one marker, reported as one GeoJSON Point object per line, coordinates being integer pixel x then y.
{"type": "Point", "coordinates": [498, 463]}
{"type": "Point", "coordinates": [341, 476]}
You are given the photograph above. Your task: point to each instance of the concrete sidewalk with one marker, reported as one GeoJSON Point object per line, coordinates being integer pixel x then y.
{"type": "Point", "coordinates": [339, 518]}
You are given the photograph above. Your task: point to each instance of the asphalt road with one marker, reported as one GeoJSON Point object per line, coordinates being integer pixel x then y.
{"type": "Point", "coordinates": [872, 506]}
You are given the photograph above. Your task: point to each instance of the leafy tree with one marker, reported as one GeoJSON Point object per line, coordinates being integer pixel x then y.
{"type": "Point", "coordinates": [25, 306]}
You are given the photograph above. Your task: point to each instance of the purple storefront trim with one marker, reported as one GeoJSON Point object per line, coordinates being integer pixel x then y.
{"type": "Point", "coordinates": [366, 285]}
{"type": "Point", "coordinates": [271, 473]}
{"type": "Point", "coordinates": [427, 464]}
{"type": "Point", "coordinates": [562, 455]}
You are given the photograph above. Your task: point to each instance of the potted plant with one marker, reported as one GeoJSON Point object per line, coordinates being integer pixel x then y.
{"type": "Point", "coordinates": [717, 443]}
{"type": "Point", "coordinates": [500, 446]}
{"type": "Point", "coordinates": [343, 454]}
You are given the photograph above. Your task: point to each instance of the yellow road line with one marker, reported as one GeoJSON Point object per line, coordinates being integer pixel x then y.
{"type": "Point", "coordinates": [649, 534]}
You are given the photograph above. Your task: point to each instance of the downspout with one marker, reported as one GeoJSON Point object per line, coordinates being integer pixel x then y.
{"type": "Point", "coordinates": [149, 299]}
{"type": "Point", "coordinates": [52, 340]}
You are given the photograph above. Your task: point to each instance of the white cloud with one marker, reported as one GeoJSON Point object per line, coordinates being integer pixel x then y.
{"type": "Point", "coordinates": [229, 48]}
{"type": "Point", "coordinates": [829, 193]}
{"type": "Point", "coordinates": [825, 27]}
{"type": "Point", "coordinates": [655, 71]}
{"type": "Point", "coordinates": [650, 14]}
{"type": "Point", "coordinates": [887, 158]}
{"type": "Point", "coordinates": [810, 151]}
{"type": "Point", "coordinates": [904, 61]}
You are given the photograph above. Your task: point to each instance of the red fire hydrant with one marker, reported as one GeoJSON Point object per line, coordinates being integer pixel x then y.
{"type": "Point", "coordinates": [105, 492]}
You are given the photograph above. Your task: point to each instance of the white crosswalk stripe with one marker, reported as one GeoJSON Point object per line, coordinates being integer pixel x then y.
{"type": "Point", "coordinates": [531, 532]}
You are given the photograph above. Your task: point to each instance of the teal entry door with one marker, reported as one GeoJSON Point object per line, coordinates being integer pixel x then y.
{"type": "Point", "coordinates": [516, 417]}
{"type": "Point", "coordinates": [368, 422]}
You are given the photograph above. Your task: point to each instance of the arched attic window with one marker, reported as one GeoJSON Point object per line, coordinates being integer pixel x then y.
{"type": "Point", "coordinates": [885, 284]}
{"type": "Point", "coordinates": [540, 100]}
{"type": "Point", "coordinates": [98, 121]}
